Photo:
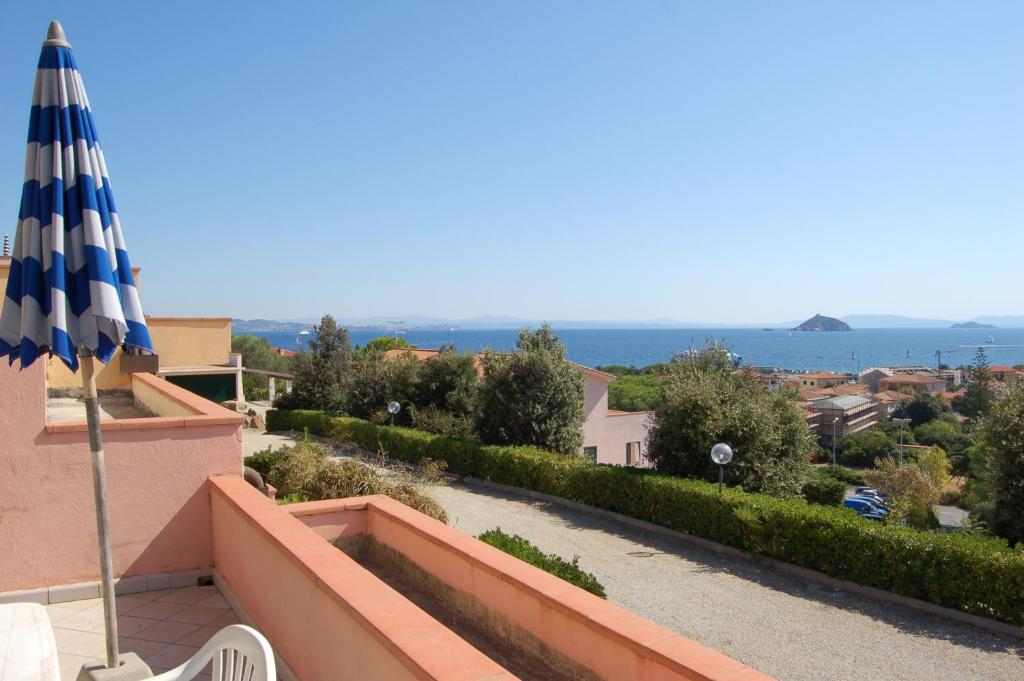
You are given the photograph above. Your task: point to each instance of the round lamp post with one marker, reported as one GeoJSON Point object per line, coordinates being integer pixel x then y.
{"type": "Point", "coordinates": [721, 454]}
{"type": "Point", "coordinates": [393, 408]}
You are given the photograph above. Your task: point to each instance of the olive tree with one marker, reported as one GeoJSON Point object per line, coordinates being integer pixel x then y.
{"type": "Point", "coordinates": [448, 382]}
{"type": "Point", "coordinates": [322, 371]}
{"type": "Point", "coordinates": [532, 396]}
{"type": "Point", "coordinates": [704, 401]}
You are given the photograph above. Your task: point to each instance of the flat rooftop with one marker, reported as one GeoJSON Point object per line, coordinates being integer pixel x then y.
{"type": "Point", "coordinates": [115, 404]}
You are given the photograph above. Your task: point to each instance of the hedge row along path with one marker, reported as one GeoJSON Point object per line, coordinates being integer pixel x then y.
{"type": "Point", "coordinates": [771, 621]}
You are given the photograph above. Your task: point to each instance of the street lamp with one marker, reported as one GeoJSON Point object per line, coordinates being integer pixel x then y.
{"type": "Point", "coordinates": [721, 454]}
{"type": "Point", "coordinates": [393, 408]}
{"type": "Point", "coordinates": [834, 422]}
{"type": "Point", "coordinates": [902, 423]}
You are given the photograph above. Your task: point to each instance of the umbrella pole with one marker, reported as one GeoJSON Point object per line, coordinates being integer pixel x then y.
{"type": "Point", "coordinates": [99, 484]}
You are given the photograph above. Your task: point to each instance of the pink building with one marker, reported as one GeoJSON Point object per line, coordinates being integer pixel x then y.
{"type": "Point", "coordinates": [611, 436]}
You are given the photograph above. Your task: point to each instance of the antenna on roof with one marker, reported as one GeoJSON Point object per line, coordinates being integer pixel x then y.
{"type": "Point", "coordinates": [7, 245]}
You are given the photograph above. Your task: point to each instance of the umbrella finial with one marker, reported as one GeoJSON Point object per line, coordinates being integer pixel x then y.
{"type": "Point", "coordinates": [55, 36]}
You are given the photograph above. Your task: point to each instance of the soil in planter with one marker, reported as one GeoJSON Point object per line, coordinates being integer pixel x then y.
{"type": "Point", "coordinates": [516, 650]}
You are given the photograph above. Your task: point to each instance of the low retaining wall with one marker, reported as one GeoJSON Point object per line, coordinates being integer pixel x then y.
{"type": "Point", "coordinates": [323, 613]}
{"type": "Point", "coordinates": [597, 635]}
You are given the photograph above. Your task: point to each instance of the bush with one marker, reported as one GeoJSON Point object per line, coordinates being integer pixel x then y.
{"type": "Point", "coordinates": [263, 461]}
{"type": "Point", "coordinates": [975, 574]}
{"type": "Point", "coordinates": [443, 422]}
{"type": "Point", "coordinates": [823, 490]}
{"type": "Point", "coordinates": [850, 477]}
{"type": "Point", "coordinates": [705, 401]}
{"type": "Point", "coordinates": [912, 489]}
{"type": "Point", "coordinates": [305, 473]}
{"type": "Point", "coordinates": [448, 382]}
{"type": "Point", "coordinates": [951, 497]}
{"type": "Point", "coordinates": [321, 373]}
{"type": "Point", "coordinates": [921, 409]}
{"type": "Point", "coordinates": [532, 396]}
{"type": "Point", "coordinates": [1002, 464]}
{"type": "Point", "coordinates": [514, 545]}
{"type": "Point", "coordinates": [863, 449]}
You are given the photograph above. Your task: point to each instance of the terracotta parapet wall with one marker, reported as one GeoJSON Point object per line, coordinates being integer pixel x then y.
{"type": "Point", "coordinates": [323, 613]}
{"type": "Point", "coordinates": [588, 630]}
{"type": "Point", "coordinates": [592, 632]}
{"type": "Point", "coordinates": [175, 407]}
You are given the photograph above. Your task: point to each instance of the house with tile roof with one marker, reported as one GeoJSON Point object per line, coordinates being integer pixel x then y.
{"type": "Point", "coordinates": [821, 379]}
{"type": "Point", "coordinates": [913, 383]}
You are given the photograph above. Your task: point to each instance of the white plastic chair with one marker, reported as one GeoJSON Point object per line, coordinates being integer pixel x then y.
{"type": "Point", "coordinates": [238, 653]}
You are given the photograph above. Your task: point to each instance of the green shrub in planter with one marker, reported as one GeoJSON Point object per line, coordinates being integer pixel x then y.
{"type": "Point", "coordinates": [516, 546]}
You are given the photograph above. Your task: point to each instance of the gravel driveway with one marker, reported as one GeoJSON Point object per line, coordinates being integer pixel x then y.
{"type": "Point", "coordinates": [773, 622]}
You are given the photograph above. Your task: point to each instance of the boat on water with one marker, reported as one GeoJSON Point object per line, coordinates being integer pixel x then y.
{"type": "Point", "coordinates": [990, 340]}
{"type": "Point", "coordinates": [304, 332]}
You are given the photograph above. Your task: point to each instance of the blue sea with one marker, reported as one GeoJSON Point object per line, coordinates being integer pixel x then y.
{"type": "Point", "coordinates": [839, 351]}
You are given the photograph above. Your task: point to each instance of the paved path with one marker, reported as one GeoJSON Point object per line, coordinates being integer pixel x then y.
{"type": "Point", "coordinates": [771, 621]}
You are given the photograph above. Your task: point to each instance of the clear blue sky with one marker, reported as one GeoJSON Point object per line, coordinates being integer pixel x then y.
{"type": "Point", "coordinates": [641, 159]}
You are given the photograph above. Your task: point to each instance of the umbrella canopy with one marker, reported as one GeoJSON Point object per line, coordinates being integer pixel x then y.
{"type": "Point", "coordinates": [71, 286]}
{"type": "Point", "coordinates": [71, 292]}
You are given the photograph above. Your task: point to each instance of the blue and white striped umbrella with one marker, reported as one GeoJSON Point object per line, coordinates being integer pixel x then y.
{"type": "Point", "coordinates": [71, 285]}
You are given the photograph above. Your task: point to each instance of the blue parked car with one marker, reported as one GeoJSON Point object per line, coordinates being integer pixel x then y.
{"type": "Point", "coordinates": [864, 508]}
{"type": "Point", "coordinates": [879, 505]}
{"type": "Point", "coordinates": [871, 492]}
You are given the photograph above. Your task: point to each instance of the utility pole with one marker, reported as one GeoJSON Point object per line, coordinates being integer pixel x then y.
{"type": "Point", "coordinates": [834, 422]}
{"type": "Point", "coordinates": [902, 422]}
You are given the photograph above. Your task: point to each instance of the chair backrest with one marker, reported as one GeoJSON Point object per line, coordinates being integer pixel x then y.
{"type": "Point", "coordinates": [238, 653]}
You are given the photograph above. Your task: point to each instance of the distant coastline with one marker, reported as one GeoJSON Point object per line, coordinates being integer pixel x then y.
{"type": "Point", "coordinates": [411, 322]}
{"type": "Point", "coordinates": [840, 352]}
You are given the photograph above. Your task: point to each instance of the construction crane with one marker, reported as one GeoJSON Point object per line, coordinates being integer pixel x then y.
{"type": "Point", "coordinates": [940, 353]}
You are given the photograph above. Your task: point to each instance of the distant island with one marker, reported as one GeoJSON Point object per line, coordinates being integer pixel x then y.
{"type": "Point", "coordinates": [265, 325]}
{"type": "Point", "coordinates": [973, 325]}
{"type": "Point", "coordinates": [820, 322]}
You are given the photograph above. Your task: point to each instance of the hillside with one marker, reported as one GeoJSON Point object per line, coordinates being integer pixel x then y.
{"type": "Point", "coordinates": [820, 322]}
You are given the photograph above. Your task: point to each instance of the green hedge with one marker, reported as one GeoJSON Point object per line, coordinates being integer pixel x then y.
{"type": "Point", "coordinates": [824, 490]}
{"type": "Point", "coordinates": [963, 571]}
{"type": "Point", "coordinates": [514, 545]}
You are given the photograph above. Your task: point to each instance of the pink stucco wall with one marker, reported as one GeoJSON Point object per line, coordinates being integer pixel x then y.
{"type": "Point", "coordinates": [620, 428]}
{"type": "Point", "coordinates": [324, 614]}
{"type": "Point", "coordinates": [156, 469]}
{"type": "Point", "coordinates": [610, 432]}
{"type": "Point", "coordinates": [597, 635]}
{"type": "Point", "coordinates": [595, 411]}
